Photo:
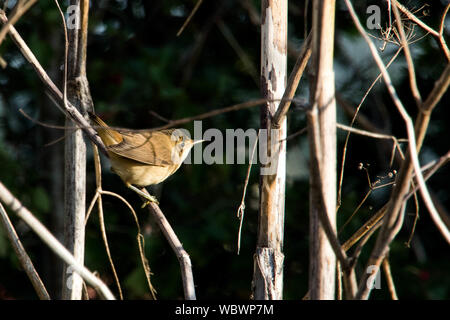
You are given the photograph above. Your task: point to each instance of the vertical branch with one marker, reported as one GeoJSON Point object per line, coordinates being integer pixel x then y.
{"type": "Point", "coordinates": [269, 258]}
{"type": "Point", "coordinates": [75, 148]}
{"type": "Point", "coordinates": [322, 137]}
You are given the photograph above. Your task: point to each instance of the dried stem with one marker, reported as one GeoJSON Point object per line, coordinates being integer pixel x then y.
{"type": "Point", "coordinates": [98, 179]}
{"type": "Point", "coordinates": [186, 22]}
{"type": "Point", "coordinates": [55, 93]}
{"type": "Point", "coordinates": [438, 35]}
{"type": "Point", "coordinates": [22, 212]}
{"type": "Point", "coordinates": [18, 12]}
{"type": "Point", "coordinates": [23, 257]}
{"type": "Point", "coordinates": [293, 81]}
{"type": "Point", "coordinates": [182, 256]}
{"type": "Point", "coordinates": [241, 209]}
{"type": "Point", "coordinates": [412, 75]}
{"type": "Point", "coordinates": [344, 151]}
{"type": "Point", "coordinates": [140, 238]}
{"type": "Point", "coordinates": [442, 42]}
{"type": "Point", "coordinates": [411, 163]}
{"type": "Point", "coordinates": [389, 280]}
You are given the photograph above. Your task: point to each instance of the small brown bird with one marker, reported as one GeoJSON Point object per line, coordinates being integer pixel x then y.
{"type": "Point", "coordinates": [144, 158]}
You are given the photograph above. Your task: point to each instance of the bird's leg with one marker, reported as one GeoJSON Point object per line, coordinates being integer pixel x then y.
{"type": "Point", "coordinates": [144, 195]}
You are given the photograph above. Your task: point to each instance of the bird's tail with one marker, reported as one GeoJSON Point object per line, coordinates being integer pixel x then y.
{"type": "Point", "coordinates": [108, 135]}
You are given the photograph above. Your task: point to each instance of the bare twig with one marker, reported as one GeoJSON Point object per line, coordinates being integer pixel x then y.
{"type": "Point", "coordinates": [355, 115]}
{"type": "Point", "coordinates": [293, 81]}
{"type": "Point", "coordinates": [389, 280]}
{"type": "Point", "coordinates": [197, 5]}
{"type": "Point", "coordinates": [440, 87]}
{"type": "Point", "coordinates": [140, 239]}
{"type": "Point", "coordinates": [412, 75]}
{"type": "Point", "coordinates": [416, 217]}
{"type": "Point", "coordinates": [20, 9]}
{"type": "Point", "coordinates": [438, 36]}
{"type": "Point", "coordinates": [241, 209]}
{"type": "Point", "coordinates": [182, 256]}
{"type": "Point", "coordinates": [416, 20]}
{"type": "Point", "coordinates": [14, 204]}
{"type": "Point", "coordinates": [239, 106]}
{"type": "Point", "coordinates": [409, 126]}
{"type": "Point", "coordinates": [56, 94]}
{"type": "Point", "coordinates": [430, 168]}
{"type": "Point", "coordinates": [366, 227]}
{"type": "Point", "coordinates": [372, 135]}
{"type": "Point", "coordinates": [98, 179]}
{"type": "Point", "coordinates": [411, 163]}
{"type": "Point", "coordinates": [442, 42]}
{"type": "Point", "coordinates": [23, 257]}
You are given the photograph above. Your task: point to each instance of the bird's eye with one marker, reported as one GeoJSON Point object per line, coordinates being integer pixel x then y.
{"type": "Point", "coordinates": [182, 144]}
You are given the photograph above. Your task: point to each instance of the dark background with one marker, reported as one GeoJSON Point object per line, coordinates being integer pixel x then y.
{"type": "Point", "coordinates": [136, 63]}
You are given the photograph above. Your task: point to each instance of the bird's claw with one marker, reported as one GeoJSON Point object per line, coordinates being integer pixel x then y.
{"type": "Point", "coordinates": [148, 201]}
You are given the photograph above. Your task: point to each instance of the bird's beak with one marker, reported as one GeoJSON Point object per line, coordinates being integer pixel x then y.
{"type": "Point", "coordinates": [199, 141]}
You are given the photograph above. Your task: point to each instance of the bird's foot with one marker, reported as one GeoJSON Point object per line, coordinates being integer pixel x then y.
{"type": "Point", "coordinates": [148, 198]}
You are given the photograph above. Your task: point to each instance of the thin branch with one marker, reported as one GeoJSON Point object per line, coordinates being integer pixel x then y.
{"type": "Point", "coordinates": [391, 228]}
{"type": "Point", "coordinates": [197, 5]}
{"type": "Point", "coordinates": [431, 169]}
{"type": "Point", "coordinates": [409, 126]}
{"type": "Point", "coordinates": [356, 210]}
{"type": "Point", "coordinates": [366, 227]}
{"type": "Point", "coordinates": [442, 42]}
{"type": "Point", "coordinates": [437, 35]}
{"type": "Point", "coordinates": [389, 279]}
{"type": "Point", "coordinates": [369, 134]}
{"type": "Point", "coordinates": [416, 217]}
{"type": "Point", "coordinates": [98, 179]}
{"type": "Point", "coordinates": [140, 237]}
{"type": "Point", "coordinates": [412, 75]}
{"type": "Point", "coordinates": [16, 206]}
{"type": "Point", "coordinates": [416, 20]}
{"type": "Point", "coordinates": [355, 115]}
{"type": "Point", "coordinates": [20, 10]}
{"type": "Point", "coordinates": [23, 257]}
{"type": "Point", "coordinates": [293, 81]}
{"type": "Point", "coordinates": [105, 241]}
{"type": "Point", "coordinates": [364, 239]}
{"type": "Point", "coordinates": [440, 87]}
{"type": "Point", "coordinates": [52, 88]}
{"type": "Point", "coordinates": [177, 247]}
{"type": "Point", "coordinates": [241, 209]}
{"type": "Point", "coordinates": [239, 106]}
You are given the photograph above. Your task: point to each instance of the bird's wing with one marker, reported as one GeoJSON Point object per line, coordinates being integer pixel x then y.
{"type": "Point", "coordinates": [141, 147]}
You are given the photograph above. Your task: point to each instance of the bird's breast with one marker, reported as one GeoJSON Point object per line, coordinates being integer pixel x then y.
{"type": "Point", "coordinates": [140, 174]}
